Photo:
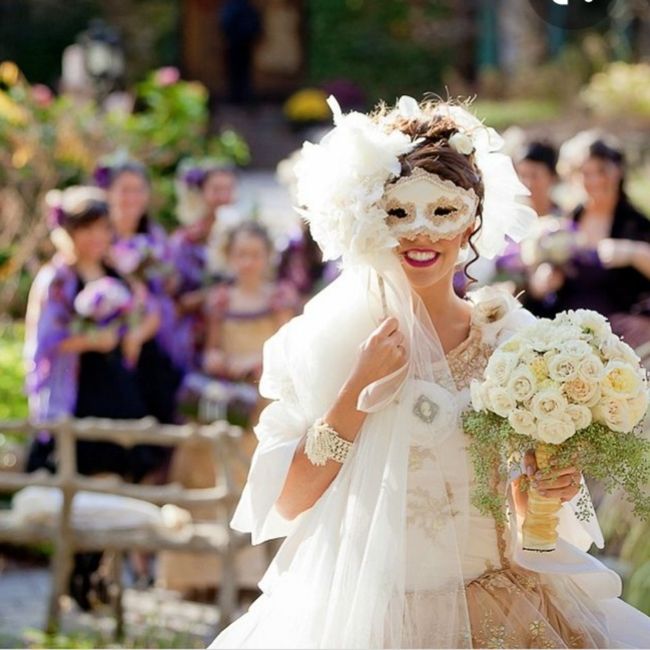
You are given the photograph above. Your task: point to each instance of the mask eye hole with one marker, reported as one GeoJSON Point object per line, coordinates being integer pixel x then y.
{"type": "Point", "coordinates": [443, 211]}
{"type": "Point", "coordinates": [399, 213]}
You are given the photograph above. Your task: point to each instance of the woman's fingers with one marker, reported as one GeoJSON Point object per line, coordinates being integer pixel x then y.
{"type": "Point", "coordinates": [530, 463]}
{"type": "Point", "coordinates": [388, 327]}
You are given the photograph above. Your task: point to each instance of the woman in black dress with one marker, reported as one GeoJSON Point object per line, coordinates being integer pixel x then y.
{"type": "Point", "coordinates": [611, 272]}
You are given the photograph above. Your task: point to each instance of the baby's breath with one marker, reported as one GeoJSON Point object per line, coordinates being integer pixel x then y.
{"type": "Point", "coordinates": [617, 460]}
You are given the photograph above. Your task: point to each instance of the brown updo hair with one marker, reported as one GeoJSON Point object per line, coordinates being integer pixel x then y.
{"type": "Point", "coordinates": [435, 155]}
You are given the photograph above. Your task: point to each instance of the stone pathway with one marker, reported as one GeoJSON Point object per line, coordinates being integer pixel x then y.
{"type": "Point", "coordinates": [153, 618]}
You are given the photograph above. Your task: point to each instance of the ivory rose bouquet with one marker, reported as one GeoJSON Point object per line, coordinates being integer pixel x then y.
{"type": "Point", "coordinates": [573, 391]}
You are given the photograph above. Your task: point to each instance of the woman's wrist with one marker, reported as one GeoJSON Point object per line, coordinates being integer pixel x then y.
{"type": "Point", "coordinates": [640, 258]}
{"type": "Point", "coordinates": [344, 416]}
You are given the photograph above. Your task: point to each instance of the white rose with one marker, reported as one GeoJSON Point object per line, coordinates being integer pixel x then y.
{"type": "Point", "coordinates": [461, 143]}
{"type": "Point", "coordinates": [562, 367]}
{"type": "Point", "coordinates": [548, 403]}
{"type": "Point", "coordinates": [523, 422]}
{"type": "Point", "coordinates": [522, 384]}
{"type": "Point", "coordinates": [576, 348]}
{"type": "Point", "coordinates": [555, 430]}
{"type": "Point", "coordinates": [614, 413]}
{"type": "Point", "coordinates": [501, 402]}
{"type": "Point", "coordinates": [638, 406]}
{"type": "Point", "coordinates": [500, 366]}
{"type": "Point", "coordinates": [476, 395]}
{"type": "Point", "coordinates": [621, 380]}
{"type": "Point", "coordinates": [592, 323]}
{"type": "Point", "coordinates": [613, 348]}
{"type": "Point", "coordinates": [581, 391]}
{"type": "Point", "coordinates": [581, 415]}
{"type": "Point", "coordinates": [591, 368]}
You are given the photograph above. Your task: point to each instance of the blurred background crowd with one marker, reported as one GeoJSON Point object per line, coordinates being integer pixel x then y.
{"type": "Point", "coordinates": [148, 246]}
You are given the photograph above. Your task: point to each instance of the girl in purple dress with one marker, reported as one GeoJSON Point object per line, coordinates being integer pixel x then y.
{"type": "Point", "coordinates": [212, 187]}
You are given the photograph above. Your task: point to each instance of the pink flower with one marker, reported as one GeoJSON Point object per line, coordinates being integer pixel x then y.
{"type": "Point", "coordinates": [42, 95]}
{"type": "Point", "coordinates": [167, 76]}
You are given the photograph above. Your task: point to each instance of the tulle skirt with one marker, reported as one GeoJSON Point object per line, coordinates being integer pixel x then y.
{"type": "Point", "coordinates": [508, 608]}
{"type": "Point", "coordinates": [514, 608]}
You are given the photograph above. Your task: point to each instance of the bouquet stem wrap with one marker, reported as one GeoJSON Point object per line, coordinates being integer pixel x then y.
{"type": "Point", "coordinates": [540, 525]}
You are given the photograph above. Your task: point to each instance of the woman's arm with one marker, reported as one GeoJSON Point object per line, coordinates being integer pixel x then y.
{"type": "Point", "coordinates": [98, 340]}
{"type": "Point", "coordinates": [617, 253]}
{"type": "Point", "coordinates": [381, 354]}
{"type": "Point", "coordinates": [215, 361]}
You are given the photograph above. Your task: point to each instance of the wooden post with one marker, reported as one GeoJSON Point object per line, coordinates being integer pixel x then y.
{"type": "Point", "coordinates": [117, 593]}
{"type": "Point", "coordinates": [62, 560]}
{"type": "Point", "coordinates": [222, 448]}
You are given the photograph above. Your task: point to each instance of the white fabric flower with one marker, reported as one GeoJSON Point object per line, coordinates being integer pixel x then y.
{"type": "Point", "coordinates": [581, 415]}
{"type": "Point", "coordinates": [555, 430]}
{"type": "Point", "coordinates": [461, 143]}
{"type": "Point", "coordinates": [523, 422]}
{"type": "Point", "coordinates": [548, 403]}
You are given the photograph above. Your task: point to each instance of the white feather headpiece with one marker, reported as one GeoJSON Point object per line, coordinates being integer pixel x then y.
{"type": "Point", "coordinates": [342, 179]}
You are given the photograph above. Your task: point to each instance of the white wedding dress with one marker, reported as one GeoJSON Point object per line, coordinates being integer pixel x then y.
{"type": "Point", "coordinates": [393, 554]}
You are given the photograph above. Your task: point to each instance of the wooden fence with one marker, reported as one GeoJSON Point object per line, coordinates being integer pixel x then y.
{"type": "Point", "coordinates": [200, 537]}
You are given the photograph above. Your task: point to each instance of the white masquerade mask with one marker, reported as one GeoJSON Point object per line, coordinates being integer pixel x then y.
{"type": "Point", "coordinates": [425, 204]}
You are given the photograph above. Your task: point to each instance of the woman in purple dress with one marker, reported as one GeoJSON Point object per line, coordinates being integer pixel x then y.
{"type": "Point", "coordinates": [140, 252]}
{"type": "Point", "coordinates": [88, 334]}
{"type": "Point", "coordinates": [214, 188]}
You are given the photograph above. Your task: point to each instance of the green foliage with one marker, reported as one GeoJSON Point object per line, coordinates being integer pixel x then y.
{"type": "Point", "coordinates": [617, 460]}
{"type": "Point", "coordinates": [13, 403]}
{"type": "Point", "coordinates": [48, 142]}
{"type": "Point", "coordinates": [622, 90]}
{"type": "Point", "coordinates": [171, 123]}
{"type": "Point", "coordinates": [372, 44]}
{"type": "Point", "coordinates": [153, 635]}
{"type": "Point", "coordinates": [521, 112]}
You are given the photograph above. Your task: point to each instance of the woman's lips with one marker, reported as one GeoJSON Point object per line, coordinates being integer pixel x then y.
{"type": "Point", "coordinates": [420, 258]}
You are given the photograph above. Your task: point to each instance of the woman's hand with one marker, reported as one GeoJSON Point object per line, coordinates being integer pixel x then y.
{"type": "Point", "coordinates": [563, 484]}
{"type": "Point", "coordinates": [131, 347]}
{"type": "Point", "coordinates": [556, 483]}
{"type": "Point", "coordinates": [381, 354]}
{"type": "Point", "coordinates": [103, 340]}
{"type": "Point", "coordinates": [544, 280]}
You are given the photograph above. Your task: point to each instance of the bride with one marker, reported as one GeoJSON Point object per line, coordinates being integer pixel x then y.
{"type": "Point", "coordinates": [362, 462]}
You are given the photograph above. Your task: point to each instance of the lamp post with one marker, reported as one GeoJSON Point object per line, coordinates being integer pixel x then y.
{"type": "Point", "coordinates": [103, 57]}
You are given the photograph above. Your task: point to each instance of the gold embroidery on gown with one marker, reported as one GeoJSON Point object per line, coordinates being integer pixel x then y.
{"type": "Point", "coordinates": [508, 606]}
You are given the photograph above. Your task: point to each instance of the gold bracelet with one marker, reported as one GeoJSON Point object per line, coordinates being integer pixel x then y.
{"type": "Point", "coordinates": [324, 443]}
